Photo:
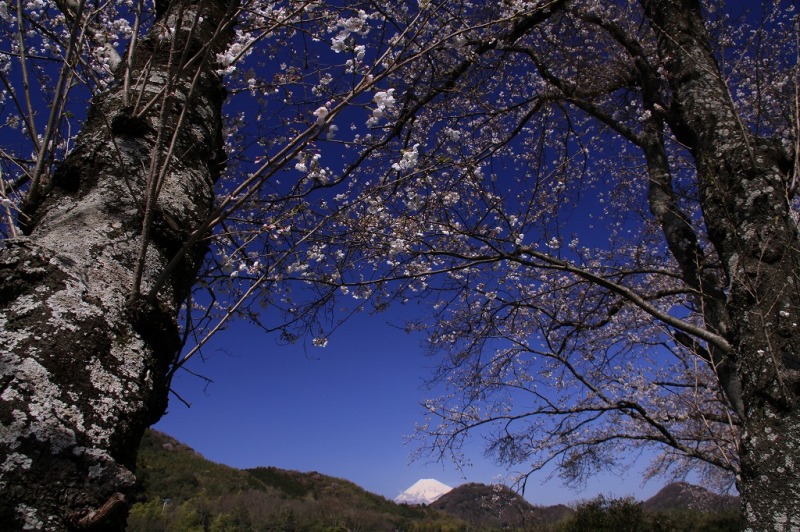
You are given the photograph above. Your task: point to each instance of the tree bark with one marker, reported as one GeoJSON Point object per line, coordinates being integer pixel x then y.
{"type": "Point", "coordinates": [85, 358]}
{"type": "Point", "coordinates": [743, 187]}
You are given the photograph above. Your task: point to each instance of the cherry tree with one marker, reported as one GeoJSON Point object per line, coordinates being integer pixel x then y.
{"type": "Point", "coordinates": [598, 200]}
{"type": "Point", "coordinates": [106, 284]}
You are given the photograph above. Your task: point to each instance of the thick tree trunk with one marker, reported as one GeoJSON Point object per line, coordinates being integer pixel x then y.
{"type": "Point", "coordinates": [743, 186]}
{"type": "Point", "coordinates": [84, 360]}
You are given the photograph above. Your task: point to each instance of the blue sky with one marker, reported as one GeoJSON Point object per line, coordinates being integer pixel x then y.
{"type": "Point", "coordinates": [343, 410]}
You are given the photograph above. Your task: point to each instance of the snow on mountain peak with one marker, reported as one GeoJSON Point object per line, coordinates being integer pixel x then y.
{"type": "Point", "coordinates": [424, 491]}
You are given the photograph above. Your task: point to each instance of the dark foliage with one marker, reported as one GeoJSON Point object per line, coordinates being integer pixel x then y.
{"type": "Point", "coordinates": [685, 496]}
{"type": "Point", "coordinates": [611, 515]}
{"type": "Point", "coordinates": [496, 507]}
{"type": "Point", "coordinates": [627, 515]}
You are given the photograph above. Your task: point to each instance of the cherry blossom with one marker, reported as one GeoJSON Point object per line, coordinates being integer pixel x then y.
{"type": "Point", "coordinates": [545, 176]}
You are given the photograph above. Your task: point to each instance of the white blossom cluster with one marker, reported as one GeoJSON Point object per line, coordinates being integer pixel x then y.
{"type": "Point", "coordinates": [384, 105]}
{"type": "Point", "coordinates": [357, 25]}
{"type": "Point", "coordinates": [409, 159]}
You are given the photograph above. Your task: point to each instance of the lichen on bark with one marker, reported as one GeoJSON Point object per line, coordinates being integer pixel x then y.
{"type": "Point", "coordinates": [751, 226]}
{"type": "Point", "coordinates": [85, 360]}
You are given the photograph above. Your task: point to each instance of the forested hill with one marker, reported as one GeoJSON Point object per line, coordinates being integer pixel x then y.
{"type": "Point", "coordinates": [181, 490]}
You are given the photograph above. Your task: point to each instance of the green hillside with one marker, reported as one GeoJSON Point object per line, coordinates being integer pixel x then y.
{"type": "Point", "coordinates": [182, 491]}
{"type": "Point", "coordinates": [179, 490]}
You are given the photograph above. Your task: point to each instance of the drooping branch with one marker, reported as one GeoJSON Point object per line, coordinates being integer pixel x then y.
{"type": "Point", "coordinates": [549, 262]}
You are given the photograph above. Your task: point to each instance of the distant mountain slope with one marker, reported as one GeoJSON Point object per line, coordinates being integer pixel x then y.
{"type": "Point", "coordinates": [181, 490]}
{"type": "Point", "coordinates": [497, 507]}
{"type": "Point", "coordinates": [685, 496]}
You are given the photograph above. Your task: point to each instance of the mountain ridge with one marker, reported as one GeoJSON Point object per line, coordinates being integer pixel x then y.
{"type": "Point", "coordinates": [497, 507]}
{"type": "Point", "coordinates": [685, 496]}
{"type": "Point", "coordinates": [179, 489]}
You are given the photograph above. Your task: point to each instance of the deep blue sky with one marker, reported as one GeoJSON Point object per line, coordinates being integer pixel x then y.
{"type": "Point", "coordinates": [343, 410]}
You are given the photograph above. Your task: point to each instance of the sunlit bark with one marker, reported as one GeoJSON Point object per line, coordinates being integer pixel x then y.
{"type": "Point", "coordinates": [85, 356]}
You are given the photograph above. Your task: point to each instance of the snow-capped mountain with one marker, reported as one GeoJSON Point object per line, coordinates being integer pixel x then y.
{"type": "Point", "coordinates": [424, 491]}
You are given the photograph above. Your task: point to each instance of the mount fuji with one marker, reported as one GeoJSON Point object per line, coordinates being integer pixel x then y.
{"type": "Point", "coordinates": [424, 491]}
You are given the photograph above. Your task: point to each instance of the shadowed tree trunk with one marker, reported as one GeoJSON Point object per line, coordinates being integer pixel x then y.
{"type": "Point", "coordinates": [743, 182]}
{"type": "Point", "coordinates": [84, 355]}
